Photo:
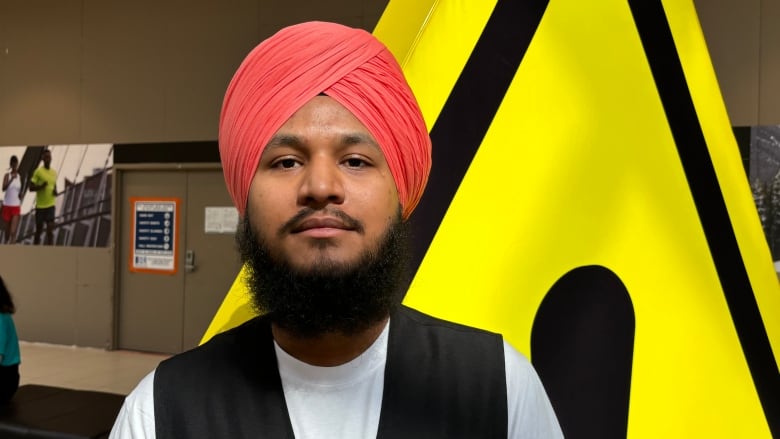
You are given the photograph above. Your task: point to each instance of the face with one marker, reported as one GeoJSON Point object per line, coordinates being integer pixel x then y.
{"type": "Point", "coordinates": [14, 163]}
{"type": "Point", "coordinates": [323, 194]}
{"type": "Point", "coordinates": [46, 157]}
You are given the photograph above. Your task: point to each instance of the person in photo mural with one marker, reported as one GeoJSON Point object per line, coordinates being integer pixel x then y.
{"type": "Point", "coordinates": [12, 187]}
{"type": "Point", "coordinates": [44, 183]}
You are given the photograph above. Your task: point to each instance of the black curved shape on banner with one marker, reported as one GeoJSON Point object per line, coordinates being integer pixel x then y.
{"type": "Point", "coordinates": [582, 346]}
{"type": "Point", "coordinates": [669, 77]}
{"type": "Point", "coordinates": [469, 110]}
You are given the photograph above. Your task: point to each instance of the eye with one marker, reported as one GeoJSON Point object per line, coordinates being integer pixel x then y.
{"type": "Point", "coordinates": [355, 162]}
{"type": "Point", "coordinates": [285, 163]}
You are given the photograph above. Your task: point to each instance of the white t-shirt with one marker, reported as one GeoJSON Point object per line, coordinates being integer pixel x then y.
{"type": "Point", "coordinates": [11, 197]}
{"type": "Point", "coordinates": [322, 401]}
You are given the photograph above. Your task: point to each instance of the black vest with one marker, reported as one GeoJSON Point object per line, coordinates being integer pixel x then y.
{"type": "Point", "coordinates": [442, 380]}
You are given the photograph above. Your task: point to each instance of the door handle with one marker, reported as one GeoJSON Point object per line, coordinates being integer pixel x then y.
{"type": "Point", "coordinates": [189, 261]}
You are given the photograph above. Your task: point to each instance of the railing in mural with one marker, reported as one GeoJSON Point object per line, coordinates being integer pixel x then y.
{"type": "Point", "coordinates": [83, 215]}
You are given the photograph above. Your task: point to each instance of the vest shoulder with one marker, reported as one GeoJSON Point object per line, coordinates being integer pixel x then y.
{"type": "Point", "coordinates": [221, 350]}
{"type": "Point", "coordinates": [426, 320]}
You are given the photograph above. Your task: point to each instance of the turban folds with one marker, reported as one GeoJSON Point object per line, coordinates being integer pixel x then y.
{"type": "Point", "coordinates": [350, 65]}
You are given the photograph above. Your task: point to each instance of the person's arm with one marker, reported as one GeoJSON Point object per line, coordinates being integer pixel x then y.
{"type": "Point", "coordinates": [35, 186]}
{"type": "Point", "coordinates": [7, 181]}
{"type": "Point", "coordinates": [531, 416]}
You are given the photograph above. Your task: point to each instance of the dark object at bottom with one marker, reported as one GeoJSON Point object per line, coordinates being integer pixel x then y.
{"type": "Point", "coordinates": [58, 413]}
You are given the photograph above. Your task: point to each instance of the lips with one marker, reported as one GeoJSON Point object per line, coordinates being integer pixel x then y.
{"type": "Point", "coordinates": [320, 223]}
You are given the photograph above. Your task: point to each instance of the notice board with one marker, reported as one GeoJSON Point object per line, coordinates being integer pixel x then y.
{"type": "Point", "coordinates": [155, 232]}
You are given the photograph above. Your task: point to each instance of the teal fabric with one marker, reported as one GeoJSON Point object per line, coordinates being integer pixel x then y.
{"type": "Point", "coordinates": [9, 342]}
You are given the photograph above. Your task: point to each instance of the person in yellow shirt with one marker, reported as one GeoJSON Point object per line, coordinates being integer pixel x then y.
{"type": "Point", "coordinates": [44, 184]}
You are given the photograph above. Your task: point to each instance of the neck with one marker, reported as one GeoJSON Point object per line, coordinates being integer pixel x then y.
{"type": "Point", "coordinates": [329, 349]}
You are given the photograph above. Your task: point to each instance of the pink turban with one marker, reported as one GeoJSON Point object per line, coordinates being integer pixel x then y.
{"type": "Point", "coordinates": [351, 66]}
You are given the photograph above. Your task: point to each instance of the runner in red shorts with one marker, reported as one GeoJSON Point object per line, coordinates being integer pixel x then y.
{"type": "Point", "coordinates": [12, 186]}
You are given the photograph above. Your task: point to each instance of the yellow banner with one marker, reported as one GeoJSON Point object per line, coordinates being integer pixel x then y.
{"type": "Point", "coordinates": [586, 162]}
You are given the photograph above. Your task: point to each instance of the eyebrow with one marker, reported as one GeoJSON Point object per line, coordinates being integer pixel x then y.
{"type": "Point", "coordinates": [356, 138]}
{"type": "Point", "coordinates": [284, 140]}
{"type": "Point", "coordinates": [294, 141]}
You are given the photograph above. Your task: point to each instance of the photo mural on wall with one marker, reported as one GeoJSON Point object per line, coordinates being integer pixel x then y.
{"type": "Point", "coordinates": [764, 170]}
{"type": "Point", "coordinates": [79, 214]}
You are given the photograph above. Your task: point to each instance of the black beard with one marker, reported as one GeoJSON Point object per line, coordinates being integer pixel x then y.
{"type": "Point", "coordinates": [329, 297]}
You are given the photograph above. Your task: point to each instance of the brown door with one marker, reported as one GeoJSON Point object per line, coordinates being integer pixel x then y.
{"type": "Point", "coordinates": [169, 312]}
{"type": "Point", "coordinates": [212, 246]}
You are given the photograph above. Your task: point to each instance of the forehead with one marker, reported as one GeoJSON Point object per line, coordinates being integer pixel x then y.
{"type": "Point", "coordinates": [324, 112]}
{"type": "Point", "coordinates": [322, 116]}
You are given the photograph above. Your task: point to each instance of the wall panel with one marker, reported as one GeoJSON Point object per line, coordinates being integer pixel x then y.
{"type": "Point", "coordinates": [40, 70]}
{"type": "Point", "coordinates": [63, 295]}
{"type": "Point", "coordinates": [42, 282]}
{"type": "Point", "coordinates": [94, 296]}
{"type": "Point", "coordinates": [769, 100]}
{"type": "Point", "coordinates": [280, 12]}
{"type": "Point", "coordinates": [732, 31]}
{"type": "Point", "coordinates": [123, 84]}
{"type": "Point", "coordinates": [205, 43]}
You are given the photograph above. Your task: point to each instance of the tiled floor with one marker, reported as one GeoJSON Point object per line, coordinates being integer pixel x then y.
{"type": "Point", "coordinates": [84, 368]}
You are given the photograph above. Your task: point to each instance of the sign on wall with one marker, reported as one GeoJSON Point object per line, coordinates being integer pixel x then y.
{"type": "Point", "coordinates": [220, 219]}
{"type": "Point", "coordinates": [155, 232]}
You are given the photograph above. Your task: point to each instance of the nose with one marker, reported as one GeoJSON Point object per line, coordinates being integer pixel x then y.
{"type": "Point", "coordinates": [322, 184]}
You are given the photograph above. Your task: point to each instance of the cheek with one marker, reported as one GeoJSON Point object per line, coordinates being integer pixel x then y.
{"type": "Point", "coordinates": [263, 203]}
{"type": "Point", "coordinates": [381, 195]}
{"type": "Point", "coordinates": [384, 204]}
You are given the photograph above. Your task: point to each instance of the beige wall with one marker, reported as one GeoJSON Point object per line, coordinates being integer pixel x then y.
{"type": "Point", "coordinates": [744, 43]}
{"type": "Point", "coordinates": [155, 70]}
{"type": "Point", "coordinates": [63, 295]}
{"type": "Point", "coordinates": [93, 71]}
{"type": "Point", "coordinates": [85, 71]}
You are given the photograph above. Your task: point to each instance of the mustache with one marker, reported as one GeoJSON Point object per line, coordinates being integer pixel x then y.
{"type": "Point", "coordinates": [306, 212]}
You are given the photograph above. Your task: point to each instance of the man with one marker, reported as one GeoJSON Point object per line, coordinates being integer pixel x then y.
{"type": "Point", "coordinates": [326, 154]}
{"type": "Point", "coordinates": [44, 183]}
